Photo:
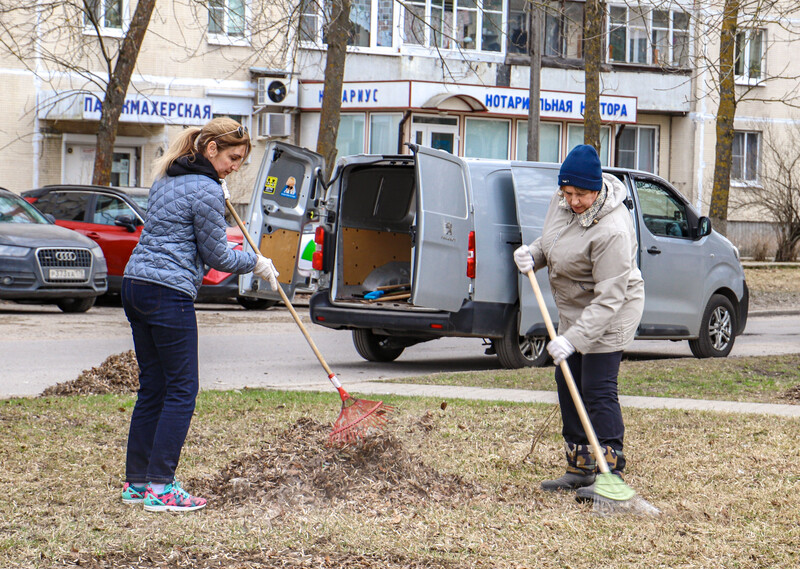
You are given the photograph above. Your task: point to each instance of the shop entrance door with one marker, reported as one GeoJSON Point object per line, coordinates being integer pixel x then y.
{"type": "Point", "coordinates": [79, 165]}
{"type": "Point", "coordinates": [436, 132]}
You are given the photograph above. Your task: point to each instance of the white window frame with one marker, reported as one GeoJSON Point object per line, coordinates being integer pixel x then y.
{"type": "Point", "coordinates": [636, 150]}
{"type": "Point", "coordinates": [475, 120]}
{"type": "Point", "coordinates": [125, 20]}
{"type": "Point", "coordinates": [451, 44]}
{"type": "Point", "coordinates": [523, 140]}
{"type": "Point", "coordinates": [746, 79]}
{"type": "Point", "coordinates": [225, 38]}
{"type": "Point", "coordinates": [318, 13]}
{"type": "Point", "coordinates": [640, 20]}
{"type": "Point", "coordinates": [605, 137]}
{"type": "Point", "coordinates": [398, 116]}
{"type": "Point", "coordinates": [753, 180]}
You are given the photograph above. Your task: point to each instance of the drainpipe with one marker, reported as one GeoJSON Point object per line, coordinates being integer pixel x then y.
{"type": "Point", "coordinates": [37, 87]}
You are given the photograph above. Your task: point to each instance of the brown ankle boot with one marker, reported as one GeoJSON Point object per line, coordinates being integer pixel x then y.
{"type": "Point", "coordinates": [580, 469]}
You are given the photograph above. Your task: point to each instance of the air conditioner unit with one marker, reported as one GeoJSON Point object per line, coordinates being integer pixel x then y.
{"type": "Point", "coordinates": [277, 91]}
{"type": "Point", "coordinates": [274, 124]}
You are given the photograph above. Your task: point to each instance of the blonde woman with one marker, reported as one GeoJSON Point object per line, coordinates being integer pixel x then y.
{"type": "Point", "coordinates": [184, 229]}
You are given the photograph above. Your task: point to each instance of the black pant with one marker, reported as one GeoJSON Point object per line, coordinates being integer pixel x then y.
{"type": "Point", "coordinates": [596, 378]}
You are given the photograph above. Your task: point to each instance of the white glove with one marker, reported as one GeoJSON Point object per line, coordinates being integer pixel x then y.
{"type": "Point", "coordinates": [225, 193]}
{"type": "Point", "coordinates": [523, 259]}
{"type": "Point", "coordinates": [560, 349]}
{"type": "Point", "coordinates": [266, 270]}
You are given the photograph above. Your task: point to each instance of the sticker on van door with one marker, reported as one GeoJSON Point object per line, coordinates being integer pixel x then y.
{"type": "Point", "coordinates": [270, 185]}
{"type": "Point", "coordinates": [288, 190]}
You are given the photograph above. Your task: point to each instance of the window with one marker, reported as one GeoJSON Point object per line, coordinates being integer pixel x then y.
{"type": "Point", "coordinates": [549, 141]}
{"type": "Point", "coordinates": [663, 214]}
{"type": "Point", "coordinates": [487, 138]}
{"type": "Point", "coordinates": [744, 157]}
{"type": "Point", "coordinates": [563, 30]}
{"type": "Point", "coordinates": [749, 56]}
{"type": "Point", "coordinates": [636, 148]}
{"type": "Point", "coordinates": [648, 36]}
{"type": "Point", "coordinates": [454, 24]}
{"type": "Point", "coordinates": [350, 139]}
{"type": "Point", "coordinates": [108, 208]}
{"type": "Point", "coordinates": [575, 137]}
{"type": "Point", "coordinates": [103, 15]}
{"type": "Point", "coordinates": [372, 22]}
{"type": "Point", "coordinates": [384, 132]}
{"type": "Point", "coordinates": [226, 18]}
{"type": "Point", "coordinates": [517, 38]}
{"type": "Point", "coordinates": [65, 206]}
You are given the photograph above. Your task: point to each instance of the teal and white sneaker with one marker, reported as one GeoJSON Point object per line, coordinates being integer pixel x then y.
{"type": "Point", "coordinates": [133, 494]}
{"type": "Point", "coordinates": [174, 499]}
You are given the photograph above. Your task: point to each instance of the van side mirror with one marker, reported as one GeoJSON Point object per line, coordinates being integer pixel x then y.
{"type": "Point", "coordinates": [703, 227]}
{"type": "Point", "coordinates": [126, 221]}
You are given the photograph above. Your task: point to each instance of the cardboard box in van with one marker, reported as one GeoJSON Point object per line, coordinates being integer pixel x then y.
{"type": "Point", "coordinates": [410, 248]}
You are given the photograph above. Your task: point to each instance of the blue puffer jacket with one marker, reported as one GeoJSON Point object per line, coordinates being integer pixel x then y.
{"type": "Point", "coordinates": [184, 228]}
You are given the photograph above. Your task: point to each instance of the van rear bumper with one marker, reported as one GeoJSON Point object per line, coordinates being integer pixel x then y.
{"type": "Point", "coordinates": [475, 319]}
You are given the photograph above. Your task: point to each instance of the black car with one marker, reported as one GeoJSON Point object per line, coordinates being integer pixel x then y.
{"type": "Point", "coordinates": [41, 262]}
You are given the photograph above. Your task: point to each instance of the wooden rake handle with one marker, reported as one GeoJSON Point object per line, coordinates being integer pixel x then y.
{"type": "Point", "coordinates": [573, 389]}
{"type": "Point", "coordinates": [331, 375]}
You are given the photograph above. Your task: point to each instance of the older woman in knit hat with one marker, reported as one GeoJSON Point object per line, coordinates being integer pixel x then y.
{"type": "Point", "coordinates": [589, 246]}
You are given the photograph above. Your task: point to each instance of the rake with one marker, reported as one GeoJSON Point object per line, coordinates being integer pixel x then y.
{"type": "Point", "coordinates": [358, 417]}
{"type": "Point", "coordinates": [610, 493]}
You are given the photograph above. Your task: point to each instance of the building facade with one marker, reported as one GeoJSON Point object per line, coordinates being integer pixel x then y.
{"type": "Point", "coordinates": [451, 74]}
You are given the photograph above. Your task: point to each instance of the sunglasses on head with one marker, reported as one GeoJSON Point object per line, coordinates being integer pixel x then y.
{"type": "Point", "coordinates": [239, 132]}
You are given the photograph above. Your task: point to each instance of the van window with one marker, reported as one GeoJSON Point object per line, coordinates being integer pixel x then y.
{"type": "Point", "coordinates": [663, 213]}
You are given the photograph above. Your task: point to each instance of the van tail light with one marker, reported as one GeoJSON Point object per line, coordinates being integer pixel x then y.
{"type": "Point", "coordinates": [319, 241]}
{"type": "Point", "coordinates": [471, 255]}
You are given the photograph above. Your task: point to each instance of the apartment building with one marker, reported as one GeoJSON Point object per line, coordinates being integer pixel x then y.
{"type": "Point", "coordinates": [452, 74]}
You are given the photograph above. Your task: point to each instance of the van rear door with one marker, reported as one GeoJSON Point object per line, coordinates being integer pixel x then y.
{"type": "Point", "coordinates": [281, 208]}
{"type": "Point", "coordinates": [443, 224]}
{"type": "Point", "coordinates": [534, 185]}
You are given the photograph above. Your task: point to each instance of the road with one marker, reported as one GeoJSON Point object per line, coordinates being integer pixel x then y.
{"type": "Point", "coordinates": [41, 346]}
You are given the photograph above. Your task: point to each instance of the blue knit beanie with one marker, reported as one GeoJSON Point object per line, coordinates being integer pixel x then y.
{"type": "Point", "coordinates": [581, 168]}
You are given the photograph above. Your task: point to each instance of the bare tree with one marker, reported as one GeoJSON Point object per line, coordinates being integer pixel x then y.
{"type": "Point", "coordinates": [594, 41]}
{"type": "Point", "coordinates": [777, 197]}
{"type": "Point", "coordinates": [536, 17]}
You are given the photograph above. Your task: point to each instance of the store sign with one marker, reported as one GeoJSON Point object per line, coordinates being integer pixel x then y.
{"type": "Point", "coordinates": [156, 109]}
{"type": "Point", "coordinates": [497, 100]}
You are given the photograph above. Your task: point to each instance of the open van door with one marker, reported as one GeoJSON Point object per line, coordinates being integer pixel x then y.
{"type": "Point", "coordinates": [443, 224]}
{"type": "Point", "coordinates": [281, 207]}
{"type": "Point", "coordinates": [533, 189]}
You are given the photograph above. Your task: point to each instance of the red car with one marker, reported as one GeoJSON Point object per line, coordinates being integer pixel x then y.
{"type": "Point", "coordinates": [113, 217]}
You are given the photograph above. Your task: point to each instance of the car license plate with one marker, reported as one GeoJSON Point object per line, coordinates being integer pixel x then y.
{"type": "Point", "coordinates": [67, 274]}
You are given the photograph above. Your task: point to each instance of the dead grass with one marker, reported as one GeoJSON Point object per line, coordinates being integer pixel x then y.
{"type": "Point", "coordinates": [443, 487]}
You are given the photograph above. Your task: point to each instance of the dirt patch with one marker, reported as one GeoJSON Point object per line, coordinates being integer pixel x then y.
{"type": "Point", "coordinates": [792, 394]}
{"type": "Point", "coordinates": [265, 559]}
{"type": "Point", "coordinates": [119, 373]}
{"type": "Point", "coordinates": [298, 469]}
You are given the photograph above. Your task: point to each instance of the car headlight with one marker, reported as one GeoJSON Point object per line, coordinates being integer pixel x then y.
{"type": "Point", "coordinates": [13, 251]}
{"type": "Point", "coordinates": [97, 252]}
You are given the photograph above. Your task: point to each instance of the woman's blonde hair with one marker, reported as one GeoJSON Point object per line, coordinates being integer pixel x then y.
{"type": "Point", "coordinates": [224, 131]}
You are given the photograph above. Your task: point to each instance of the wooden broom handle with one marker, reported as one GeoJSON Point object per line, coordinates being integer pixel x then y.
{"type": "Point", "coordinates": [573, 389]}
{"type": "Point", "coordinates": [280, 290]}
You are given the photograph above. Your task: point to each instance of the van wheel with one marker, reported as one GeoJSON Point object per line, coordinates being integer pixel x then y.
{"type": "Point", "coordinates": [255, 303]}
{"type": "Point", "coordinates": [716, 329]}
{"type": "Point", "coordinates": [515, 351]}
{"type": "Point", "coordinates": [376, 348]}
{"type": "Point", "coordinates": [75, 305]}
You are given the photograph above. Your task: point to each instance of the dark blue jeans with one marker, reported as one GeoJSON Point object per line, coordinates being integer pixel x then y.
{"type": "Point", "coordinates": [164, 329]}
{"type": "Point", "coordinates": [596, 378]}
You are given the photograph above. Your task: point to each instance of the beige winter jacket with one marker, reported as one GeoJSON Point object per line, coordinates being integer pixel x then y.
{"type": "Point", "coordinates": [595, 280]}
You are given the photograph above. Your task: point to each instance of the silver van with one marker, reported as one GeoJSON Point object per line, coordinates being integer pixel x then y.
{"type": "Point", "coordinates": [410, 248]}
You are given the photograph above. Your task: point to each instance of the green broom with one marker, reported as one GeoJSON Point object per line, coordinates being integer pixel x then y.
{"type": "Point", "coordinates": [611, 494]}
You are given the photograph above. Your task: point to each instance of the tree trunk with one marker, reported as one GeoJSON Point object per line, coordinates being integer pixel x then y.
{"type": "Point", "coordinates": [535, 44]}
{"type": "Point", "coordinates": [337, 35]}
{"type": "Point", "coordinates": [116, 90]}
{"type": "Point", "coordinates": [718, 209]}
{"type": "Point", "coordinates": [592, 55]}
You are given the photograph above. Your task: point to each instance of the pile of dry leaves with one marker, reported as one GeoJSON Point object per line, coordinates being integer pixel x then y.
{"type": "Point", "coordinates": [117, 374]}
{"type": "Point", "coordinates": [299, 468]}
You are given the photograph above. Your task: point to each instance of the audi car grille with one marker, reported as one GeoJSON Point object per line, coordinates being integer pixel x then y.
{"type": "Point", "coordinates": [62, 265]}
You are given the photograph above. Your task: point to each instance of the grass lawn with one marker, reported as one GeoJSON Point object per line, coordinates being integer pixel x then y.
{"type": "Point", "coordinates": [446, 486]}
